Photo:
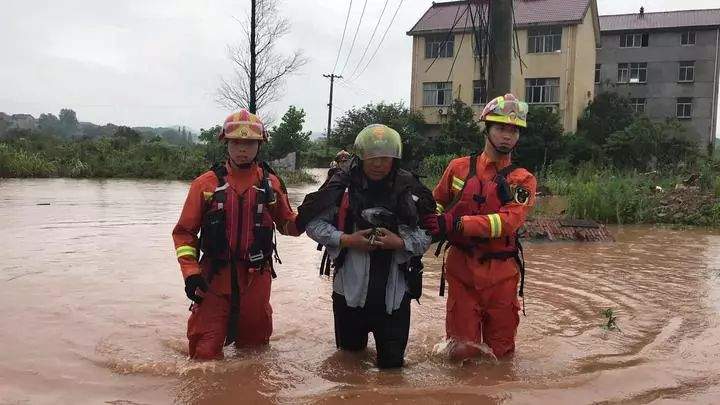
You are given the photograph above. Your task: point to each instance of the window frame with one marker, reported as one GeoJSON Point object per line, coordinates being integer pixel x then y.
{"type": "Point", "coordinates": [643, 43]}
{"type": "Point", "coordinates": [446, 90]}
{"type": "Point", "coordinates": [598, 78]}
{"type": "Point", "coordinates": [545, 88]}
{"type": "Point", "coordinates": [686, 103]}
{"type": "Point", "coordinates": [483, 92]}
{"type": "Point", "coordinates": [636, 102]}
{"type": "Point", "coordinates": [686, 35]}
{"type": "Point", "coordinates": [436, 46]}
{"type": "Point", "coordinates": [547, 39]}
{"type": "Point", "coordinates": [630, 68]}
{"type": "Point", "coordinates": [687, 69]}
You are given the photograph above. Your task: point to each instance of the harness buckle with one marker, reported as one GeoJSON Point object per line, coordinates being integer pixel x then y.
{"type": "Point", "coordinates": [256, 258]}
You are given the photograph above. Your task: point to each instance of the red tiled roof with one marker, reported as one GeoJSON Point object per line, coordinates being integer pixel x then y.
{"type": "Point", "coordinates": [667, 19]}
{"type": "Point", "coordinates": [440, 16]}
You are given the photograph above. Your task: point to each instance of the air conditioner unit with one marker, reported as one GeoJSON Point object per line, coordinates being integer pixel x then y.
{"type": "Point", "coordinates": [442, 111]}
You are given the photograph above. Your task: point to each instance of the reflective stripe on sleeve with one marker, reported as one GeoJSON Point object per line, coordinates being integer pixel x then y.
{"type": "Point", "coordinates": [186, 251]}
{"type": "Point", "coordinates": [495, 225]}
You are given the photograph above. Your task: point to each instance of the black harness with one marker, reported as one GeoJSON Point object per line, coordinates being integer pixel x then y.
{"type": "Point", "coordinates": [505, 196]}
{"type": "Point", "coordinates": [214, 243]}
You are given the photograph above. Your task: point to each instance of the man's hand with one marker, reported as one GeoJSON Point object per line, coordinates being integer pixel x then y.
{"type": "Point", "coordinates": [439, 225]}
{"type": "Point", "coordinates": [359, 240]}
{"type": "Point", "coordinates": [194, 283]}
{"type": "Point", "coordinates": [388, 240]}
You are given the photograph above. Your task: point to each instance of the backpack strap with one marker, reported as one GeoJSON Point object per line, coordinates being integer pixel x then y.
{"type": "Point", "coordinates": [219, 194]}
{"type": "Point", "coordinates": [472, 171]}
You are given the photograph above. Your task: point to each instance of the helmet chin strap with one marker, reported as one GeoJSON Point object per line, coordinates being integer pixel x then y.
{"type": "Point", "coordinates": [502, 151]}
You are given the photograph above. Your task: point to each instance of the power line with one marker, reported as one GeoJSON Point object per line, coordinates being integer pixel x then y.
{"type": "Point", "coordinates": [447, 38]}
{"type": "Point", "coordinates": [381, 41]}
{"type": "Point", "coordinates": [462, 38]}
{"type": "Point", "coordinates": [358, 90]}
{"type": "Point", "coordinates": [357, 30]}
{"type": "Point", "coordinates": [347, 18]}
{"type": "Point", "coordinates": [367, 47]}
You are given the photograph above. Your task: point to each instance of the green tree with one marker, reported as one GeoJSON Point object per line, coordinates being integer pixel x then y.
{"type": "Point", "coordinates": [645, 145]}
{"type": "Point", "coordinates": [540, 144]}
{"type": "Point", "coordinates": [124, 137]}
{"type": "Point", "coordinates": [460, 132]}
{"type": "Point", "coordinates": [215, 151]}
{"type": "Point", "coordinates": [68, 122]}
{"type": "Point", "coordinates": [49, 124]}
{"type": "Point", "coordinates": [576, 149]}
{"type": "Point", "coordinates": [606, 114]}
{"type": "Point", "coordinates": [289, 136]}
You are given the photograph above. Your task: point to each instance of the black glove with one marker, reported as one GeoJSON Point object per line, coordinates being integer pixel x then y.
{"type": "Point", "coordinates": [192, 283]}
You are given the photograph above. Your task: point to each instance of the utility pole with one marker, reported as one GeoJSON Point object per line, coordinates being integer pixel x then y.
{"type": "Point", "coordinates": [252, 105]}
{"type": "Point", "coordinates": [332, 78]}
{"type": "Point", "coordinates": [501, 45]}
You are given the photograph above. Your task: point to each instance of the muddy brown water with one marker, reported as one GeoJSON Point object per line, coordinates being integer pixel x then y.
{"type": "Point", "coordinates": [93, 311]}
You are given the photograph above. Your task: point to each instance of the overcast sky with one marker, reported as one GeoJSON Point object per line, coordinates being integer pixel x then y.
{"type": "Point", "coordinates": [159, 62]}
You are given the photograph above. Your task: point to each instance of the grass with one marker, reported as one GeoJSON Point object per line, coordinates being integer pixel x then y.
{"type": "Point", "coordinates": [433, 167]}
{"type": "Point", "coordinates": [292, 177]}
{"type": "Point", "coordinates": [103, 159]}
{"type": "Point", "coordinates": [610, 320]}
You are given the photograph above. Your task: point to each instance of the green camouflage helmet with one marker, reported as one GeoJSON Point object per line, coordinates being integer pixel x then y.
{"type": "Point", "coordinates": [378, 140]}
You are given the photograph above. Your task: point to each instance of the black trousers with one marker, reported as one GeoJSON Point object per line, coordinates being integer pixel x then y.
{"type": "Point", "coordinates": [390, 332]}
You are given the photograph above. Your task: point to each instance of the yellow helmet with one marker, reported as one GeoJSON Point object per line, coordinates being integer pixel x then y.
{"type": "Point", "coordinates": [243, 125]}
{"type": "Point", "coordinates": [506, 109]}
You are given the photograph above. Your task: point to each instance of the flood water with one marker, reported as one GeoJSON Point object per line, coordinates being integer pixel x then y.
{"type": "Point", "coordinates": [94, 312]}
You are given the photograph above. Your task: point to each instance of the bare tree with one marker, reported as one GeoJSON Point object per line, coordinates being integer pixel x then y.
{"type": "Point", "coordinates": [260, 72]}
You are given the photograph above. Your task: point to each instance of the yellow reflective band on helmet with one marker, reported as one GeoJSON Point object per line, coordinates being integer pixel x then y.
{"type": "Point", "coordinates": [507, 119]}
{"type": "Point", "coordinates": [186, 251]}
{"type": "Point", "coordinates": [495, 225]}
{"type": "Point", "coordinates": [457, 183]}
{"type": "Point", "coordinates": [439, 208]}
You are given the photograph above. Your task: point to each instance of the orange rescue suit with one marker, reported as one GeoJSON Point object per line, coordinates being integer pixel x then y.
{"type": "Point", "coordinates": [482, 304]}
{"type": "Point", "coordinates": [208, 322]}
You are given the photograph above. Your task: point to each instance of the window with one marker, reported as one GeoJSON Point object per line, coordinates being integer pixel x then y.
{"type": "Point", "coordinates": [687, 72]}
{"type": "Point", "coordinates": [597, 74]}
{"type": "Point", "coordinates": [684, 107]}
{"type": "Point", "coordinates": [638, 105]}
{"type": "Point", "coordinates": [437, 93]}
{"type": "Point", "coordinates": [687, 38]}
{"type": "Point", "coordinates": [479, 92]}
{"type": "Point", "coordinates": [634, 40]}
{"type": "Point", "coordinates": [542, 90]}
{"type": "Point", "coordinates": [439, 46]}
{"type": "Point", "coordinates": [546, 39]}
{"type": "Point", "coordinates": [632, 72]}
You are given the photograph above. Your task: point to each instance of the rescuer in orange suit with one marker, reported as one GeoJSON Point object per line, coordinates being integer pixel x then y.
{"type": "Point", "coordinates": [236, 207]}
{"type": "Point", "coordinates": [481, 202]}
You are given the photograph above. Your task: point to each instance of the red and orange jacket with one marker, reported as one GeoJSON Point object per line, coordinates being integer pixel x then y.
{"type": "Point", "coordinates": [185, 233]}
{"type": "Point", "coordinates": [509, 218]}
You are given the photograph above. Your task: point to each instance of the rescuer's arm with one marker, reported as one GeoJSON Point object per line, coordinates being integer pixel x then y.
{"type": "Point", "coordinates": [510, 217]}
{"type": "Point", "coordinates": [185, 233]}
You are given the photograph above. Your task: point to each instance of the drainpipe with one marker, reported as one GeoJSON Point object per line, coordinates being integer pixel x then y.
{"type": "Point", "coordinates": [713, 125]}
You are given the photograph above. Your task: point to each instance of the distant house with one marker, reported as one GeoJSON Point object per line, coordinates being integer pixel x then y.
{"type": "Point", "coordinates": [19, 121]}
{"type": "Point", "coordinates": [666, 63]}
{"type": "Point", "coordinates": [556, 41]}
